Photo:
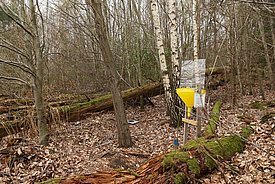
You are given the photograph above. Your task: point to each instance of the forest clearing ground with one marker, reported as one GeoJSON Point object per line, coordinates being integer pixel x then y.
{"type": "Point", "coordinates": [89, 145]}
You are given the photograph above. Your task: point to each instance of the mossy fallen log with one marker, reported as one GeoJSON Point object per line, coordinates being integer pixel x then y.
{"type": "Point", "coordinates": [79, 111]}
{"type": "Point", "coordinates": [214, 119]}
{"type": "Point", "coordinates": [201, 156]}
{"type": "Point", "coordinates": [12, 117]}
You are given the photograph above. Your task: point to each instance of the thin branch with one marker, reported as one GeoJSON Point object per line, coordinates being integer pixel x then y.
{"type": "Point", "coordinates": [43, 27]}
{"type": "Point", "coordinates": [12, 48]}
{"type": "Point", "coordinates": [15, 19]}
{"type": "Point", "coordinates": [256, 2]}
{"type": "Point", "coordinates": [21, 66]}
{"type": "Point", "coordinates": [15, 79]}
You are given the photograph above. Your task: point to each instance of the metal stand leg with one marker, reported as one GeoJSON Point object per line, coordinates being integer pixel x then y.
{"type": "Point", "coordinates": [198, 119]}
{"type": "Point", "coordinates": [186, 131]}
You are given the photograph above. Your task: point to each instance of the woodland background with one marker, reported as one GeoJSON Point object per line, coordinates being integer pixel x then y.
{"type": "Point", "coordinates": [52, 50]}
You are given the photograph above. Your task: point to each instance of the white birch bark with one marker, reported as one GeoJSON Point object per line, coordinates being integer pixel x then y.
{"type": "Point", "coordinates": [160, 46]}
{"type": "Point", "coordinates": [195, 31]}
{"type": "Point", "coordinates": [174, 40]}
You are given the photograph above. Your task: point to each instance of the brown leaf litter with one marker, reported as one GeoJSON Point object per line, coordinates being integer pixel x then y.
{"type": "Point", "coordinates": [87, 146]}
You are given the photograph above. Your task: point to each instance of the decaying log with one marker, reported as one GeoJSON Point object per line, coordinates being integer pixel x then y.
{"type": "Point", "coordinates": [79, 111]}
{"type": "Point", "coordinates": [212, 122]}
{"type": "Point", "coordinates": [74, 111]}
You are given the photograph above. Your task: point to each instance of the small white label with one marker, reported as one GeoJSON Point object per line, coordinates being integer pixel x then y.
{"type": "Point", "coordinates": [199, 100]}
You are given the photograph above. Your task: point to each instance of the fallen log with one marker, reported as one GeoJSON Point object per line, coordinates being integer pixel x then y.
{"type": "Point", "coordinates": [70, 112]}
{"type": "Point", "coordinates": [79, 111]}
{"type": "Point", "coordinates": [210, 129]}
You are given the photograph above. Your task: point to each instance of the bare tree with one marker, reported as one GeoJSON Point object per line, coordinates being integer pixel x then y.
{"type": "Point", "coordinates": [266, 52]}
{"type": "Point", "coordinates": [30, 59]}
{"type": "Point", "coordinates": [124, 136]}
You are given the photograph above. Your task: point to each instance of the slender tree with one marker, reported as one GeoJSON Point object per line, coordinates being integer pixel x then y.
{"type": "Point", "coordinates": [160, 47]}
{"type": "Point", "coordinates": [124, 136]}
{"type": "Point", "coordinates": [30, 58]}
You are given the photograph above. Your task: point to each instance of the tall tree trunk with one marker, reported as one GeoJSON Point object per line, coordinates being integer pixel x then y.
{"type": "Point", "coordinates": [273, 36]}
{"type": "Point", "coordinates": [267, 57]}
{"type": "Point", "coordinates": [124, 136]}
{"type": "Point", "coordinates": [38, 80]}
{"type": "Point", "coordinates": [160, 46]}
{"type": "Point", "coordinates": [196, 58]}
{"type": "Point", "coordinates": [175, 113]}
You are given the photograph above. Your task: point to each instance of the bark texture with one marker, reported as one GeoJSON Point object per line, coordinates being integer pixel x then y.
{"type": "Point", "coordinates": [124, 136]}
{"type": "Point", "coordinates": [161, 53]}
{"type": "Point", "coordinates": [38, 81]}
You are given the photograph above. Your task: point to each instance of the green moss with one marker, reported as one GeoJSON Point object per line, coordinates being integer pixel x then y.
{"type": "Point", "coordinates": [246, 131]}
{"type": "Point", "coordinates": [173, 158]}
{"type": "Point", "coordinates": [225, 147]}
{"type": "Point", "coordinates": [180, 178]}
{"type": "Point", "coordinates": [214, 119]}
{"type": "Point", "coordinates": [192, 144]}
{"type": "Point", "coordinates": [51, 181]}
{"type": "Point", "coordinates": [194, 166]}
{"type": "Point", "coordinates": [72, 107]}
{"type": "Point", "coordinates": [257, 105]}
{"type": "Point", "coordinates": [210, 163]}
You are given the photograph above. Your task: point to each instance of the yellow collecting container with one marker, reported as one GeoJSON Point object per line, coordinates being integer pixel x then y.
{"type": "Point", "coordinates": [187, 96]}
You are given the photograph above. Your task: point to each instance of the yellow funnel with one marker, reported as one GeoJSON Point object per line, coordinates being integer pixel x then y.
{"type": "Point", "coordinates": [187, 96]}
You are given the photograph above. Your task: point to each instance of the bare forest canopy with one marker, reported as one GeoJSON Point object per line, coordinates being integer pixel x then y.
{"type": "Point", "coordinates": [238, 34]}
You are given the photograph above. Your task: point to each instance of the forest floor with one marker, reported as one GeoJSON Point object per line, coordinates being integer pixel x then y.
{"type": "Point", "coordinates": [83, 147]}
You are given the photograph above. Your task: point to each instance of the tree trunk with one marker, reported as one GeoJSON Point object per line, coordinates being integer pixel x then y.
{"type": "Point", "coordinates": [160, 46]}
{"type": "Point", "coordinates": [267, 57]}
{"type": "Point", "coordinates": [38, 81]}
{"type": "Point", "coordinates": [273, 38]}
{"type": "Point", "coordinates": [40, 110]}
{"type": "Point", "coordinates": [124, 135]}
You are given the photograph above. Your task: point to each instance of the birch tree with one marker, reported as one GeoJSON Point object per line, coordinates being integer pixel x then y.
{"type": "Point", "coordinates": [174, 40]}
{"type": "Point", "coordinates": [161, 54]}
